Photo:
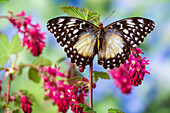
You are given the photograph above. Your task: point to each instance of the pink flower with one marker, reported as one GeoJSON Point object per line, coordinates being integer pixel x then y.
{"type": "Point", "coordinates": [77, 95]}
{"type": "Point", "coordinates": [54, 72]}
{"type": "Point", "coordinates": [81, 69]}
{"type": "Point", "coordinates": [121, 79]}
{"type": "Point", "coordinates": [26, 104]}
{"type": "Point", "coordinates": [22, 13]}
{"type": "Point", "coordinates": [58, 93]}
{"type": "Point", "coordinates": [0, 86]}
{"type": "Point", "coordinates": [78, 92]}
{"type": "Point", "coordinates": [136, 67]}
{"type": "Point", "coordinates": [32, 37]}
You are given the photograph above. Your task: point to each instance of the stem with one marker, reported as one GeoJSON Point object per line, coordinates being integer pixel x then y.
{"type": "Point", "coordinates": [8, 93]}
{"type": "Point", "coordinates": [29, 65]}
{"type": "Point", "coordinates": [4, 17]}
{"type": "Point", "coordinates": [90, 86]}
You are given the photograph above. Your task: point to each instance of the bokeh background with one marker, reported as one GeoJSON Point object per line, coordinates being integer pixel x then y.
{"type": "Point", "coordinates": [153, 96]}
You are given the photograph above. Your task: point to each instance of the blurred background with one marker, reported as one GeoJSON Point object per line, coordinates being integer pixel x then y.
{"type": "Point", "coordinates": [153, 96]}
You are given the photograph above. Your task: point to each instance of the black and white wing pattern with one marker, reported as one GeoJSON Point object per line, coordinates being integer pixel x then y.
{"type": "Point", "coordinates": [133, 30]}
{"type": "Point", "coordinates": [77, 36]}
{"type": "Point", "coordinates": [118, 37]}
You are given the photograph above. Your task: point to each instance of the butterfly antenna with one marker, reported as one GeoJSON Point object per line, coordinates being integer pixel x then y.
{"type": "Point", "coordinates": [109, 16]}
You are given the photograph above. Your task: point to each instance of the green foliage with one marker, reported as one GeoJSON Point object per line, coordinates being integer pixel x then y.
{"type": "Point", "coordinates": [102, 75]}
{"type": "Point", "coordinates": [3, 0]}
{"type": "Point", "coordinates": [4, 49]}
{"type": "Point", "coordinates": [17, 100]}
{"type": "Point", "coordinates": [15, 46]}
{"type": "Point", "coordinates": [74, 78]}
{"type": "Point", "coordinates": [16, 110]}
{"type": "Point", "coordinates": [20, 69]}
{"type": "Point", "coordinates": [85, 14]}
{"type": "Point", "coordinates": [73, 11]}
{"type": "Point", "coordinates": [114, 111]}
{"type": "Point", "coordinates": [86, 109]}
{"type": "Point", "coordinates": [34, 75]}
{"type": "Point", "coordinates": [43, 61]}
{"type": "Point", "coordinates": [7, 48]}
{"type": "Point", "coordinates": [61, 60]}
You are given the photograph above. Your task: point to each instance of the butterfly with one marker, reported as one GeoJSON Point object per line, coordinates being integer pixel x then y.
{"type": "Point", "coordinates": [83, 40]}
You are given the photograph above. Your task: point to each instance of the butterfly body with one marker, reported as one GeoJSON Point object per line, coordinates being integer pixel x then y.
{"type": "Point", "coordinates": [82, 40]}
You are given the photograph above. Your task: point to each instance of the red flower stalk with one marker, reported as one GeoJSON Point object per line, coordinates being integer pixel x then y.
{"type": "Point", "coordinates": [32, 37]}
{"type": "Point", "coordinates": [77, 93]}
{"type": "Point", "coordinates": [121, 79]}
{"type": "Point", "coordinates": [58, 91]}
{"type": "Point", "coordinates": [136, 67]}
{"type": "Point", "coordinates": [131, 72]}
{"type": "Point", "coordinates": [62, 94]}
{"type": "Point", "coordinates": [26, 104]}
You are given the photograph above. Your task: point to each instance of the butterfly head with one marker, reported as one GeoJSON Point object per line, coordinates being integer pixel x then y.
{"type": "Point", "coordinates": [100, 25]}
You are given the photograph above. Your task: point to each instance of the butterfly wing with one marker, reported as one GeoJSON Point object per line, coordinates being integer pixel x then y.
{"type": "Point", "coordinates": [133, 30]}
{"type": "Point", "coordinates": [77, 36]}
{"type": "Point", "coordinates": [113, 50]}
{"type": "Point", "coordinates": [118, 37]}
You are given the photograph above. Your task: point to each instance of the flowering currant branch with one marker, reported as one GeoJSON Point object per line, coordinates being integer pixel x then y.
{"type": "Point", "coordinates": [131, 72]}
{"type": "Point", "coordinates": [32, 37]}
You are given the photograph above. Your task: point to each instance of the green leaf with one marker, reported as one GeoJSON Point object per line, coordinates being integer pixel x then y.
{"type": "Point", "coordinates": [15, 46]}
{"type": "Point", "coordinates": [17, 100]}
{"type": "Point", "coordinates": [16, 110]}
{"type": "Point", "coordinates": [90, 15]}
{"type": "Point", "coordinates": [73, 11]}
{"type": "Point", "coordinates": [24, 91]}
{"type": "Point", "coordinates": [96, 21]}
{"type": "Point", "coordinates": [74, 78]}
{"type": "Point", "coordinates": [5, 106]}
{"type": "Point", "coordinates": [102, 75]}
{"type": "Point", "coordinates": [3, 59]}
{"type": "Point", "coordinates": [114, 111]}
{"type": "Point", "coordinates": [20, 71]}
{"type": "Point", "coordinates": [46, 97]}
{"type": "Point", "coordinates": [85, 14]}
{"type": "Point", "coordinates": [4, 49]}
{"type": "Point", "coordinates": [34, 75]}
{"type": "Point", "coordinates": [43, 61]}
{"type": "Point", "coordinates": [2, 98]}
{"type": "Point", "coordinates": [61, 60]}
{"type": "Point", "coordinates": [86, 109]}
{"type": "Point", "coordinates": [4, 0]}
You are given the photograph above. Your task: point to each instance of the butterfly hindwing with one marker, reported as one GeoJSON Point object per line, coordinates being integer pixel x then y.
{"type": "Point", "coordinates": [113, 50]}
{"type": "Point", "coordinates": [77, 36]}
{"type": "Point", "coordinates": [133, 30]}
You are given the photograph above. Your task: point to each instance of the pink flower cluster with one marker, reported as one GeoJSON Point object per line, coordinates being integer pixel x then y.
{"type": "Point", "coordinates": [121, 79]}
{"type": "Point", "coordinates": [137, 67]}
{"type": "Point", "coordinates": [62, 94]}
{"type": "Point", "coordinates": [26, 104]}
{"type": "Point", "coordinates": [0, 86]}
{"type": "Point", "coordinates": [32, 37]}
{"type": "Point", "coordinates": [131, 72]}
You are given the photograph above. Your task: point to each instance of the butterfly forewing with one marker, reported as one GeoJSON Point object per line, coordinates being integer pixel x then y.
{"type": "Point", "coordinates": [77, 36]}
{"type": "Point", "coordinates": [133, 30]}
